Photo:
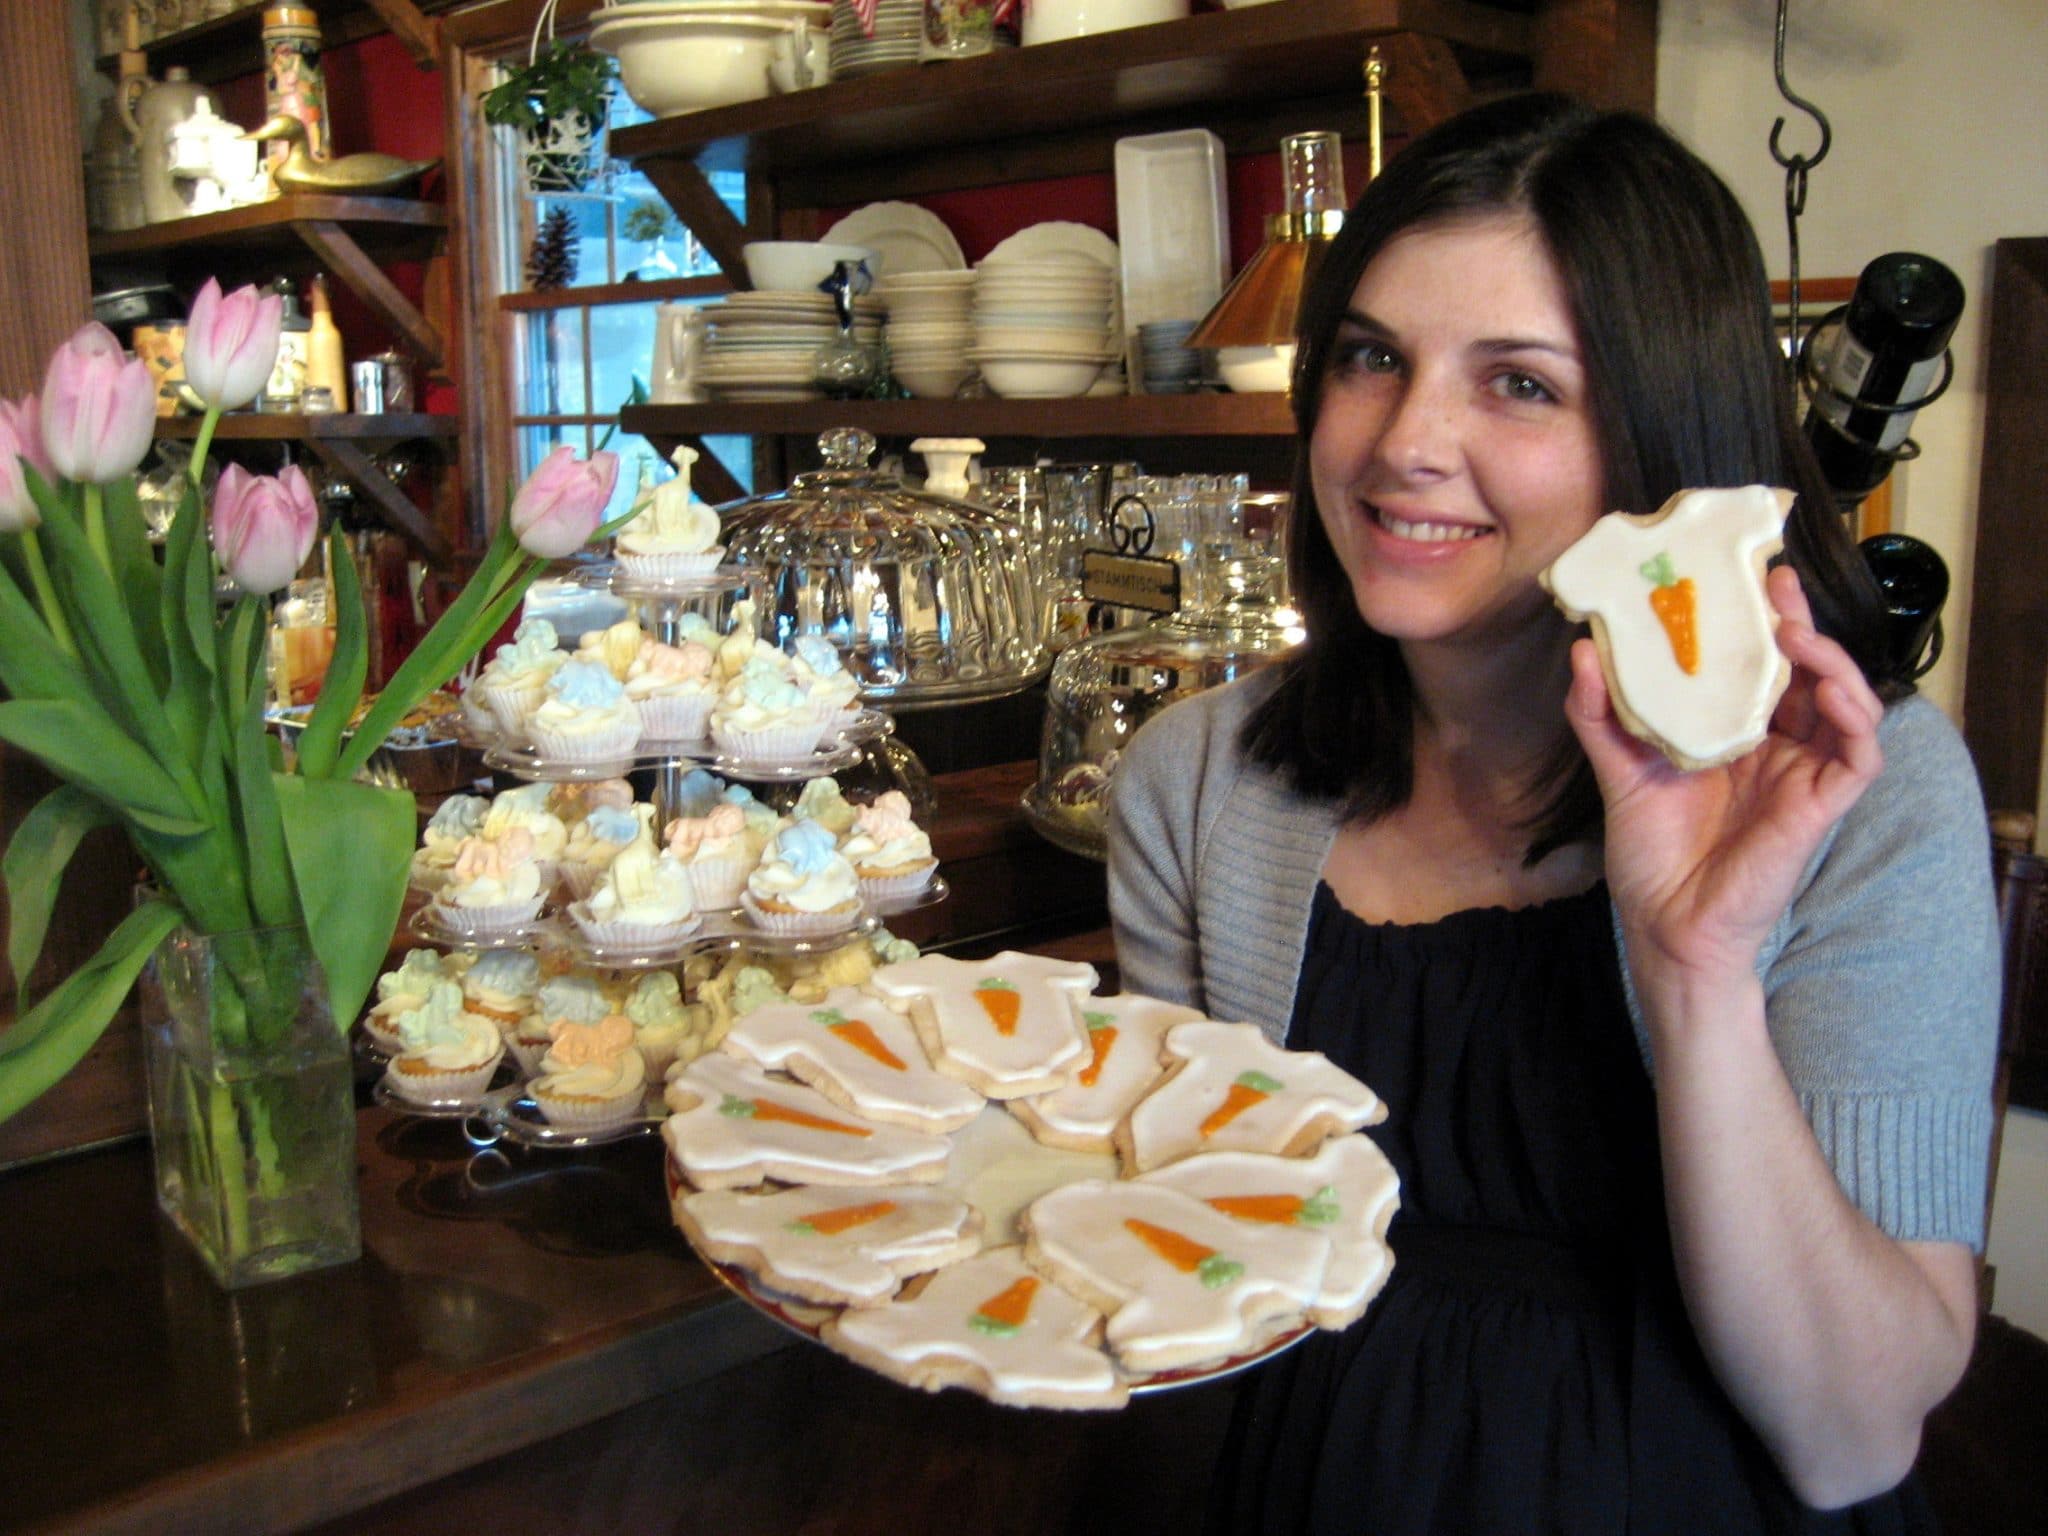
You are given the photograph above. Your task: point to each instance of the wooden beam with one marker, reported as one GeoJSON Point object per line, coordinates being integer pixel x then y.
{"type": "Point", "coordinates": [689, 192]}
{"type": "Point", "coordinates": [1602, 50]}
{"type": "Point", "coordinates": [1424, 84]}
{"type": "Point", "coordinates": [347, 261]}
{"type": "Point", "coordinates": [43, 258]}
{"type": "Point", "coordinates": [421, 37]}
{"type": "Point", "coordinates": [348, 458]}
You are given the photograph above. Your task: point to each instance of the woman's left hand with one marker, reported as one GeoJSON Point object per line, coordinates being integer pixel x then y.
{"type": "Point", "coordinates": [1701, 864]}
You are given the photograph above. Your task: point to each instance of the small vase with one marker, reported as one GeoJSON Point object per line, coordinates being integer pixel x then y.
{"type": "Point", "coordinates": [251, 1104]}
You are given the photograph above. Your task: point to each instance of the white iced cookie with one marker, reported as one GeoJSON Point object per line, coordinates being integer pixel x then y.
{"type": "Point", "coordinates": [859, 1052]}
{"type": "Point", "coordinates": [991, 1325]}
{"type": "Point", "coordinates": [1005, 1026]}
{"type": "Point", "coordinates": [1348, 1191]}
{"type": "Point", "coordinates": [735, 1126]}
{"type": "Point", "coordinates": [1182, 1283]}
{"type": "Point", "coordinates": [1232, 1089]}
{"type": "Point", "coordinates": [1124, 1037]}
{"type": "Point", "coordinates": [1686, 633]}
{"type": "Point", "coordinates": [853, 1247]}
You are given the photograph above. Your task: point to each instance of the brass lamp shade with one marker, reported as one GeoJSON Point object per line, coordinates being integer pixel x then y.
{"type": "Point", "coordinates": [1258, 308]}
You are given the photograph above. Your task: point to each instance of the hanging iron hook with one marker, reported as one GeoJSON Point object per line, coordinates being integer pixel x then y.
{"type": "Point", "coordinates": [1798, 164]}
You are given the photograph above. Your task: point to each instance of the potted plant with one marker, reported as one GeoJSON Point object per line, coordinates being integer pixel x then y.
{"type": "Point", "coordinates": [556, 102]}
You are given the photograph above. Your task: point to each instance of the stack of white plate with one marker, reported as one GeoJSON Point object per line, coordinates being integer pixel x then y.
{"type": "Point", "coordinates": [1168, 365]}
{"type": "Point", "coordinates": [764, 346]}
{"type": "Point", "coordinates": [1044, 324]}
{"type": "Point", "coordinates": [891, 45]}
{"type": "Point", "coordinates": [930, 329]}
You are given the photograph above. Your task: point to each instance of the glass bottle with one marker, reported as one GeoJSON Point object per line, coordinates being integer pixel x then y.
{"type": "Point", "coordinates": [325, 368]}
{"type": "Point", "coordinates": [288, 374]}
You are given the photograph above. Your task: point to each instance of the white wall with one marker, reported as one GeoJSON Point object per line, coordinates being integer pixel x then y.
{"type": "Point", "coordinates": [1940, 122]}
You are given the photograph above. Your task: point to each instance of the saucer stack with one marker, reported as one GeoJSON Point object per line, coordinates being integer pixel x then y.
{"type": "Point", "coordinates": [930, 330]}
{"type": "Point", "coordinates": [1167, 363]}
{"type": "Point", "coordinates": [764, 345]}
{"type": "Point", "coordinates": [1043, 325]}
{"type": "Point", "coordinates": [891, 45]}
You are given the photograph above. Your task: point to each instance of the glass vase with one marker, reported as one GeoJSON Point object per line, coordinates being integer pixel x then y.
{"type": "Point", "coordinates": [251, 1104]}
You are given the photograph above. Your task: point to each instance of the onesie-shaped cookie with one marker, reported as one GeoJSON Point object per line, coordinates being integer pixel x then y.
{"type": "Point", "coordinates": [859, 1052]}
{"type": "Point", "coordinates": [1124, 1037]}
{"type": "Point", "coordinates": [824, 1244]}
{"type": "Point", "coordinates": [1232, 1089]}
{"type": "Point", "coordinates": [1006, 1027]}
{"type": "Point", "coordinates": [1183, 1284]}
{"type": "Point", "coordinates": [992, 1325]}
{"type": "Point", "coordinates": [735, 1126]}
{"type": "Point", "coordinates": [1348, 1191]}
{"type": "Point", "coordinates": [1686, 633]}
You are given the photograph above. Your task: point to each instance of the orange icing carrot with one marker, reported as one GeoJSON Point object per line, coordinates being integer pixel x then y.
{"type": "Point", "coordinates": [844, 1218]}
{"type": "Point", "coordinates": [861, 1035]}
{"type": "Point", "coordinates": [1247, 1090]}
{"type": "Point", "coordinates": [999, 1000]}
{"type": "Point", "coordinates": [1280, 1210]}
{"type": "Point", "coordinates": [1675, 601]}
{"type": "Point", "coordinates": [768, 1109]}
{"type": "Point", "coordinates": [1183, 1253]}
{"type": "Point", "coordinates": [1005, 1312]}
{"type": "Point", "coordinates": [1101, 1036]}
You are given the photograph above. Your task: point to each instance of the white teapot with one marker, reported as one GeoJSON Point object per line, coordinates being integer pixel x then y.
{"type": "Point", "coordinates": [218, 159]}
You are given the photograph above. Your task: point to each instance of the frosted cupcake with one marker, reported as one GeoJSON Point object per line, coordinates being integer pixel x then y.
{"type": "Point", "coordinates": [676, 537]}
{"type": "Point", "coordinates": [570, 999]}
{"type": "Point", "coordinates": [592, 1077]}
{"type": "Point", "coordinates": [527, 808]}
{"type": "Point", "coordinates": [763, 821]}
{"type": "Point", "coordinates": [644, 900]}
{"type": "Point", "coordinates": [515, 682]}
{"type": "Point", "coordinates": [834, 691]}
{"type": "Point", "coordinates": [741, 645]}
{"type": "Point", "coordinates": [573, 800]}
{"type": "Point", "coordinates": [586, 717]}
{"type": "Point", "coordinates": [699, 790]}
{"type": "Point", "coordinates": [494, 889]}
{"type": "Point", "coordinates": [500, 986]}
{"type": "Point", "coordinates": [455, 818]}
{"type": "Point", "coordinates": [717, 851]}
{"type": "Point", "coordinates": [762, 716]}
{"type": "Point", "coordinates": [803, 885]}
{"type": "Point", "coordinates": [822, 801]}
{"type": "Point", "coordinates": [891, 856]}
{"type": "Point", "coordinates": [671, 686]}
{"type": "Point", "coordinates": [593, 843]}
{"type": "Point", "coordinates": [446, 1054]}
{"type": "Point", "coordinates": [661, 1024]}
{"type": "Point", "coordinates": [401, 991]}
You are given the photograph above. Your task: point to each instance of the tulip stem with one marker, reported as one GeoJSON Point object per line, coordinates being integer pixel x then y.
{"type": "Point", "coordinates": [96, 526]}
{"type": "Point", "coordinates": [202, 443]}
{"type": "Point", "coordinates": [46, 594]}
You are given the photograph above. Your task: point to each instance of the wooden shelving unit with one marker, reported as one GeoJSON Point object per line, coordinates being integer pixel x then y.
{"type": "Point", "coordinates": [227, 47]}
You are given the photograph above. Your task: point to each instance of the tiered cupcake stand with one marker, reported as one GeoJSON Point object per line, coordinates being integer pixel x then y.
{"type": "Point", "coordinates": [505, 1112]}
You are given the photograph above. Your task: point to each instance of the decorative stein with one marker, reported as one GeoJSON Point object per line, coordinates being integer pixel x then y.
{"type": "Point", "coordinates": [292, 83]}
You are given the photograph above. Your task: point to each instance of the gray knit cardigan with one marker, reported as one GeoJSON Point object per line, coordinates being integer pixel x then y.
{"type": "Point", "coordinates": [1881, 980]}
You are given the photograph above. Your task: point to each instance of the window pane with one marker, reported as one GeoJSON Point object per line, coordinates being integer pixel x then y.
{"type": "Point", "coordinates": [621, 354]}
{"type": "Point", "coordinates": [551, 352]}
{"type": "Point", "coordinates": [591, 242]}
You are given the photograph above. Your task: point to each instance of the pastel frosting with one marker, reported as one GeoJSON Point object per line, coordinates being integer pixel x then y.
{"type": "Point", "coordinates": [720, 834]}
{"type": "Point", "coordinates": [885, 839]}
{"type": "Point", "coordinates": [592, 1061]}
{"type": "Point", "coordinates": [699, 790]}
{"type": "Point", "coordinates": [404, 989]}
{"type": "Point", "coordinates": [644, 885]}
{"type": "Point", "coordinates": [763, 697]}
{"type": "Point", "coordinates": [822, 801]}
{"type": "Point", "coordinates": [802, 868]}
{"type": "Point", "coordinates": [664, 671]}
{"type": "Point", "coordinates": [816, 663]}
{"type": "Point", "coordinates": [613, 647]}
{"type": "Point", "coordinates": [502, 979]}
{"type": "Point", "coordinates": [526, 808]}
{"type": "Point", "coordinates": [585, 699]}
{"type": "Point", "coordinates": [533, 654]}
{"type": "Point", "coordinates": [577, 799]}
{"type": "Point", "coordinates": [596, 840]}
{"type": "Point", "coordinates": [675, 522]}
{"type": "Point", "coordinates": [494, 872]}
{"type": "Point", "coordinates": [446, 1037]}
{"type": "Point", "coordinates": [577, 999]}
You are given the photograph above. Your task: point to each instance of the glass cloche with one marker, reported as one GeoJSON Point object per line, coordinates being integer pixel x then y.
{"type": "Point", "coordinates": [929, 599]}
{"type": "Point", "coordinates": [1107, 686]}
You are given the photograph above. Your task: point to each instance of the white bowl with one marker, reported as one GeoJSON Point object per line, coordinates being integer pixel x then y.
{"type": "Point", "coordinates": [798, 266]}
{"type": "Point", "coordinates": [939, 379]}
{"type": "Point", "coordinates": [1082, 340]}
{"type": "Point", "coordinates": [683, 63]}
{"type": "Point", "coordinates": [1256, 370]}
{"type": "Point", "coordinates": [1049, 21]}
{"type": "Point", "coordinates": [1016, 376]}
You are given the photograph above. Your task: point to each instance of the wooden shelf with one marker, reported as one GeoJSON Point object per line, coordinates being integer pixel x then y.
{"type": "Point", "coordinates": [228, 47]}
{"type": "Point", "coordinates": [336, 426]}
{"type": "Point", "coordinates": [391, 227]}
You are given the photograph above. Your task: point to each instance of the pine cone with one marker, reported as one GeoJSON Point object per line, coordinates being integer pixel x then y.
{"type": "Point", "coordinates": [551, 262]}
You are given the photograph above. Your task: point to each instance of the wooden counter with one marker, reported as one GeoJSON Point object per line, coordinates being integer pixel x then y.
{"type": "Point", "coordinates": [504, 1298]}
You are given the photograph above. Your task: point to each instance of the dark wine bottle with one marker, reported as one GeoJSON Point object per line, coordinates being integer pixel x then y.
{"type": "Point", "coordinates": [1887, 352]}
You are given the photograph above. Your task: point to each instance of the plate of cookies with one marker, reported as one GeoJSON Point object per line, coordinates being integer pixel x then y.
{"type": "Point", "coordinates": [984, 1174]}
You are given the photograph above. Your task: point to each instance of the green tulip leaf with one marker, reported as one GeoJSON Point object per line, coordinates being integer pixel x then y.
{"type": "Point", "coordinates": [136, 576]}
{"type": "Point", "coordinates": [186, 698]}
{"type": "Point", "coordinates": [351, 845]}
{"type": "Point", "coordinates": [270, 881]}
{"type": "Point", "coordinates": [33, 866]}
{"type": "Point", "coordinates": [74, 741]}
{"type": "Point", "coordinates": [51, 1038]}
{"type": "Point", "coordinates": [320, 742]}
{"type": "Point", "coordinates": [31, 665]}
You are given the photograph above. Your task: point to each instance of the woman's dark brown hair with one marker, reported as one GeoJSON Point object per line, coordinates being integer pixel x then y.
{"type": "Point", "coordinates": [1687, 387]}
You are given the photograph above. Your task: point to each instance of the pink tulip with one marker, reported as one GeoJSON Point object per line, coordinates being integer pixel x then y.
{"type": "Point", "coordinates": [231, 344]}
{"type": "Point", "coordinates": [26, 418]}
{"type": "Point", "coordinates": [98, 408]}
{"type": "Point", "coordinates": [263, 526]}
{"type": "Point", "coordinates": [17, 507]}
{"type": "Point", "coordinates": [563, 501]}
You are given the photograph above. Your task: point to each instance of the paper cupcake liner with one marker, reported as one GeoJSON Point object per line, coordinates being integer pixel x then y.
{"type": "Point", "coordinates": [601, 746]}
{"type": "Point", "coordinates": [793, 924]}
{"type": "Point", "coordinates": [485, 922]}
{"type": "Point", "coordinates": [633, 936]}
{"type": "Point", "coordinates": [382, 1033]}
{"type": "Point", "coordinates": [579, 880]}
{"type": "Point", "coordinates": [587, 1114]}
{"type": "Point", "coordinates": [895, 886]}
{"type": "Point", "coordinates": [436, 1088]}
{"type": "Point", "coordinates": [512, 706]}
{"type": "Point", "coordinates": [671, 567]}
{"type": "Point", "coordinates": [768, 744]}
{"type": "Point", "coordinates": [527, 1053]}
{"type": "Point", "coordinates": [676, 717]}
{"type": "Point", "coordinates": [719, 882]}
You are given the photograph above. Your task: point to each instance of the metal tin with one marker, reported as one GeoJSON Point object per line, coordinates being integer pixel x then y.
{"type": "Point", "coordinates": [397, 380]}
{"type": "Point", "coordinates": [366, 383]}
